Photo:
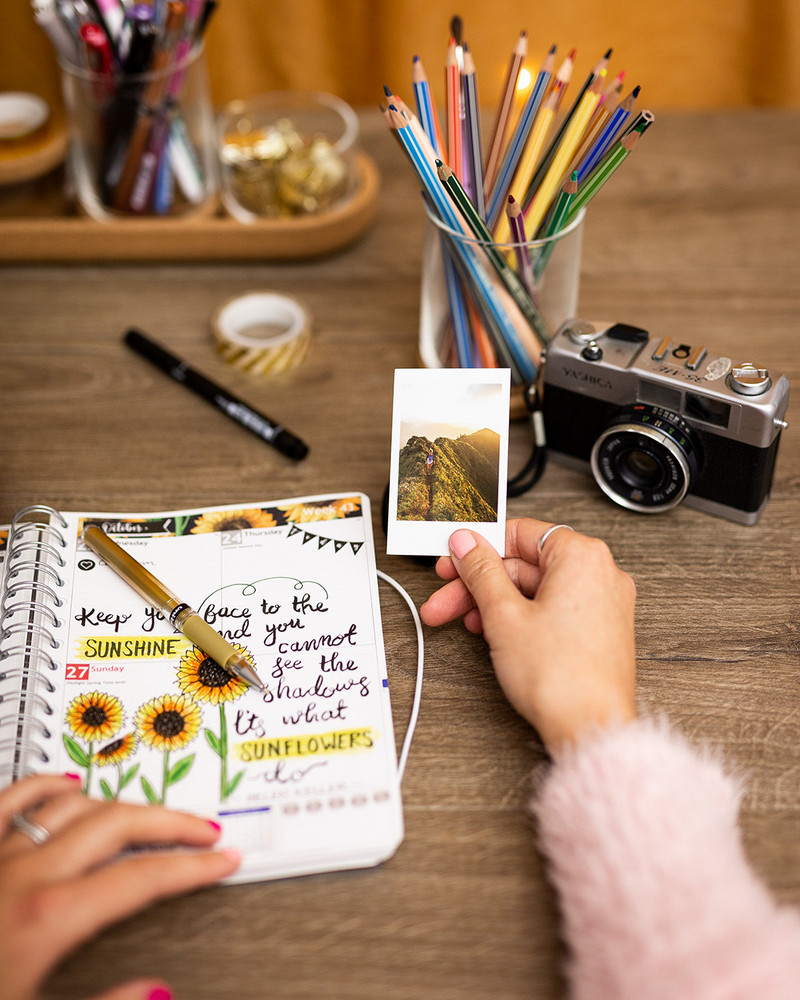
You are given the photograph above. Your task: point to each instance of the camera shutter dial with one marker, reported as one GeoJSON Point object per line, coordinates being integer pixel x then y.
{"type": "Point", "coordinates": [749, 380]}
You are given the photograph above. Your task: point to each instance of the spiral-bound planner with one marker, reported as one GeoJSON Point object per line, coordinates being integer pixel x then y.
{"type": "Point", "coordinates": [303, 776]}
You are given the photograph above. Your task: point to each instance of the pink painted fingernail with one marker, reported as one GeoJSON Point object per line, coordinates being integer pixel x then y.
{"type": "Point", "coordinates": [73, 777]}
{"type": "Point", "coordinates": [462, 542]}
{"type": "Point", "coordinates": [214, 825]}
{"type": "Point", "coordinates": [159, 993]}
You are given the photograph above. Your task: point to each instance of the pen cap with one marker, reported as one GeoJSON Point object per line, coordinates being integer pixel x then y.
{"type": "Point", "coordinates": [141, 134]}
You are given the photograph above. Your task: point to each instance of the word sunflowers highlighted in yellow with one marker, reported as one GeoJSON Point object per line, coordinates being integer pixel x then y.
{"type": "Point", "coordinates": [343, 741]}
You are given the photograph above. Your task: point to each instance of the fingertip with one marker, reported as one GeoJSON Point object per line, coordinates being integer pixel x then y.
{"type": "Point", "coordinates": [473, 622]}
{"type": "Point", "coordinates": [462, 542]}
{"type": "Point", "coordinates": [160, 993]}
{"type": "Point", "coordinates": [233, 856]}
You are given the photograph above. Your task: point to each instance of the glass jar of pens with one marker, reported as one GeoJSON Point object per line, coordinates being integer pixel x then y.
{"type": "Point", "coordinates": [140, 119]}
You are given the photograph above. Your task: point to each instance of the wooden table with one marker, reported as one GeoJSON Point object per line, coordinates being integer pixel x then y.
{"type": "Point", "coordinates": [698, 237]}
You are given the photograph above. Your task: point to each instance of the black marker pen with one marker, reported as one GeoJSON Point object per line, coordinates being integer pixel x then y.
{"type": "Point", "coordinates": [230, 405]}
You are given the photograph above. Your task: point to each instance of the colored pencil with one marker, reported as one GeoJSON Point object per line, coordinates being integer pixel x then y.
{"type": "Point", "coordinates": [540, 203]}
{"type": "Point", "coordinates": [509, 89]}
{"type": "Point", "coordinates": [489, 297]}
{"type": "Point", "coordinates": [556, 222]}
{"type": "Point", "coordinates": [600, 66]}
{"type": "Point", "coordinates": [426, 108]}
{"type": "Point", "coordinates": [516, 225]}
{"type": "Point", "coordinates": [463, 325]}
{"type": "Point", "coordinates": [535, 144]}
{"type": "Point", "coordinates": [473, 154]}
{"type": "Point", "coordinates": [601, 173]}
{"type": "Point", "coordinates": [454, 110]}
{"type": "Point", "coordinates": [641, 122]}
{"type": "Point", "coordinates": [505, 271]}
{"type": "Point", "coordinates": [516, 145]}
{"type": "Point", "coordinates": [610, 133]}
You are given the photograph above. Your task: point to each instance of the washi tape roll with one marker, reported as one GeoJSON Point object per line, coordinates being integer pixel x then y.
{"type": "Point", "coordinates": [262, 332]}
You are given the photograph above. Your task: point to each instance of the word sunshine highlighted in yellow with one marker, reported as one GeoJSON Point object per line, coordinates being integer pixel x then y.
{"type": "Point", "coordinates": [343, 741]}
{"type": "Point", "coordinates": [131, 647]}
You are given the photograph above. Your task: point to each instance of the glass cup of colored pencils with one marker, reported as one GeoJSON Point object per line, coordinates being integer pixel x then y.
{"type": "Point", "coordinates": [457, 329]}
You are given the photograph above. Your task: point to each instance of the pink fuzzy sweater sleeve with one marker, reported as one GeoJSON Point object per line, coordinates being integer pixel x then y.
{"type": "Point", "coordinates": [657, 899]}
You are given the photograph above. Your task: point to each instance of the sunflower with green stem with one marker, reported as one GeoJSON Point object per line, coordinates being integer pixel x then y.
{"type": "Point", "coordinates": [115, 754]}
{"type": "Point", "coordinates": [92, 716]}
{"type": "Point", "coordinates": [205, 680]}
{"type": "Point", "coordinates": [167, 723]}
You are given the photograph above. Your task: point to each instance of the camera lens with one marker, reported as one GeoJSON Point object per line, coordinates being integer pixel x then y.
{"type": "Point", "coordinates": [645, 458]}
{"type": "Point", "coordinates": [640, 469]}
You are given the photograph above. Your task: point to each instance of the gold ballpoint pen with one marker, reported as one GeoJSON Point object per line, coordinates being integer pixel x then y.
{"type": "Point", "coordinates": [177, 612]}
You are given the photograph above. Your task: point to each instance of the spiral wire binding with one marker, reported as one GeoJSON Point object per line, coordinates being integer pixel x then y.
{"type": "Point", "coordinates": [28, 600]}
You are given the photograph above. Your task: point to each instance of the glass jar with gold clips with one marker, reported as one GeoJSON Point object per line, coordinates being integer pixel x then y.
{"type": "Point", "coordinates": [286, 154]}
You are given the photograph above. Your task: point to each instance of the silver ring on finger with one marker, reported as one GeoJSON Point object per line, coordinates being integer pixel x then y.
{"type": "Point", "coordinates": [550, 531]}
{"type": "Point", "coordinates": [34, 831]}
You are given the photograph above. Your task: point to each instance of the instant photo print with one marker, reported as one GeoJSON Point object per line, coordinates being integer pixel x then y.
{"type": "Point", "coordinates": [449, 458]}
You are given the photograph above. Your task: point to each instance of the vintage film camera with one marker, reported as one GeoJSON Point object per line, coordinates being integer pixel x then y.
{"type": "Point", "coordinates": [660, 422]}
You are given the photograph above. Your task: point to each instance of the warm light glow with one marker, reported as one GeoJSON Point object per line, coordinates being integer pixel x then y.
{"type": "Point", "coordinates": [524, 79]}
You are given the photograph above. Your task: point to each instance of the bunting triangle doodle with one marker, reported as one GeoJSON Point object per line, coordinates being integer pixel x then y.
{"type": "Point", "coordinates": [355, 546]}
{"type": "Point", "coordinates": [307, 536]}
{"type": "Point", "coordinates": [293, 530]}
{"type": "Point", "coordinates": [339, 545]}
{"type": "Point", "coordinates": [322, 542]}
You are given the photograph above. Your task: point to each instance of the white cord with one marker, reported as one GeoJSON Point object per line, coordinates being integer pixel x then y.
{"type": "Point", "coordinates": [412, 722]}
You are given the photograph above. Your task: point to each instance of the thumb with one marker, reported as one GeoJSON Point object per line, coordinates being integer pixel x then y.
{"type": "Point", "coordinates": [139, 989]}
{"type": "Point", "coordinates": [482, 570]}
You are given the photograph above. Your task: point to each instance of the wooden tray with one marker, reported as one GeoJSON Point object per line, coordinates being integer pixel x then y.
{"type": "Point", "coordinates": [72, 238]}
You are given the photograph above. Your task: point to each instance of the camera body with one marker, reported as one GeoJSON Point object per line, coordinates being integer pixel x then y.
{"type": "Point", "coordinates": [659, 422]}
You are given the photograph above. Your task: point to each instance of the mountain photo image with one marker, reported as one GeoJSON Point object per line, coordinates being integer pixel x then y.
{"type": "Point", "coordinates": [449, 478]}
{"type": "Point", "coordinates": [448, 458]}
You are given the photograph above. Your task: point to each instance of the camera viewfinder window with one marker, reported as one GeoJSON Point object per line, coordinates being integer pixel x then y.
{"type": "Point", "coordinates": [659, 395]}
{"type": "Point", "coordinates": [708, 409]}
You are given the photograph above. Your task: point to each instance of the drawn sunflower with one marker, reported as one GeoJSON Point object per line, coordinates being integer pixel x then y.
{"type": "Point", "coordinates": [233, 520]}
{"type": "Point", "coordinates": [91, 716]}
{"type": "Point", "coordinates": [204, 679]}
{"type": "Point", "coordinates": [166, 723]}
{"type": "Point", "coordinates": [94, 716]}
{"type": "Point", "coordinates": [305, 513]}
{"type": "Point", "coordinates": [115, 754]}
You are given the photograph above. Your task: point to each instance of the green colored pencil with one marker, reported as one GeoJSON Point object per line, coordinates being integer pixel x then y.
{"type": "Point", "coordinates": [505, 271]}
{"type": "Point", "coordinates": [604, 169]}
{"type": "Point", "coordinates": [556, 223]}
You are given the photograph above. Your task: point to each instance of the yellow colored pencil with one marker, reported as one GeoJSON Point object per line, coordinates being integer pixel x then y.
{"type": "Point", "coordinates": [555, 174]}
{"type": "Point", "coordinates": [533, 150]}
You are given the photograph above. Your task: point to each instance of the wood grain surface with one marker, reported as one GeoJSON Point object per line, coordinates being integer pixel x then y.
{"type": "Point", "coordinates": [698, 238]}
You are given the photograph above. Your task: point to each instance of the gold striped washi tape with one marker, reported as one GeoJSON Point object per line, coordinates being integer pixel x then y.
{"type": "Point", "coordinates": [262, 332]}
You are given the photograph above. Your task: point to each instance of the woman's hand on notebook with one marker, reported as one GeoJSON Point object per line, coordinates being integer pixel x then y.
{"type": "Point", "coordinates": [64, 876]}
{"type": "Point", "coordinates": [559, 621]}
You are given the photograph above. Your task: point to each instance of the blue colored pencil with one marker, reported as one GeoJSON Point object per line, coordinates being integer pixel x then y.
{"type": "Point", "coordinates": [516, 145]}
{"type": "Point", "coordinates": [611, 132]}
{"type": "Point", "coordinates": [523, 364]}
{"type": "Point", "coordinates": [462, 333]}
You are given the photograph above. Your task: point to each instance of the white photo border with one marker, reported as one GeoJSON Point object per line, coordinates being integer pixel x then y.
{"type": "Point", "coordinates": [442, 388]}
